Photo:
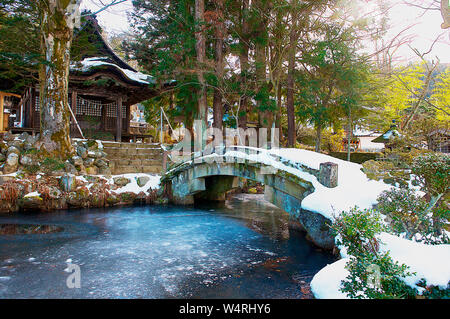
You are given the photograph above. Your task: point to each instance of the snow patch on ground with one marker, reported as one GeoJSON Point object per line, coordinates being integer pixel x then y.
{"type": "Point", "coordinates": [32, 194]}
{"type": "Point", "coordinates": [327, 282]}
{"type": "Point", "coordinates": [133, 186]}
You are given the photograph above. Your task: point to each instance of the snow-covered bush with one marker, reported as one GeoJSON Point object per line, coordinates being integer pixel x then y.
{"type": "Point", "coordinates": [356, 231]}
{"type": "Point", "coordinates": [432, 173]}
{"type": "Point", "coordinates": [408, 214]}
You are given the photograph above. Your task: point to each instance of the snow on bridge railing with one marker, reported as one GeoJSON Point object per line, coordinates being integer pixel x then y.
{"type": "Point", "coordinates": [327, 174]}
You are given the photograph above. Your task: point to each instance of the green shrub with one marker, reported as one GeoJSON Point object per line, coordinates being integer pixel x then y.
{"type": "Point", "coordinates": [356, 230]}
{"type": "Point", "coordinates": [358, 284]}
{"type": "Point", "coordinates": [51, 164]}
{"type": "Point", "coordinates": [31, 151]}
{"type": "Point", "coordinates": [32, 169]}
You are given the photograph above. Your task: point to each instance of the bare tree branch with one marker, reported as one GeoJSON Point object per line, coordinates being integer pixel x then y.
{"type": "Point", "coordinates": [106, 6]}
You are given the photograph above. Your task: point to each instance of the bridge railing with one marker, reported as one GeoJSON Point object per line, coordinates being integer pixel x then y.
{"type": "Point", "coordinates": [327, 174]}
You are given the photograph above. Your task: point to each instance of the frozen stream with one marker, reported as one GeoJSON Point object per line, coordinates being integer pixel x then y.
{"type": "Point", "coordinates": [240, 249]}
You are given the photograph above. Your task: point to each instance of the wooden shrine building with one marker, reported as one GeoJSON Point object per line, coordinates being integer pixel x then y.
{"type": "Point", "coordinates": [102, 88]}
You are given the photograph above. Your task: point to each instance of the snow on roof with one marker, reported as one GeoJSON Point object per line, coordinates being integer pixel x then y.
{"type": "Point", "coordinates": [390, 133]}
{"type": "Point", "coordinates": [362, 132]}
{"type": "Point", "coordinates": [89, 63]}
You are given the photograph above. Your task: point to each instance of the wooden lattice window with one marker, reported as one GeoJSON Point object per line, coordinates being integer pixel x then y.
{"type": "Point", "coordinates": [89, 107]}
{"type": "Point", "coordinates": [111, 110]}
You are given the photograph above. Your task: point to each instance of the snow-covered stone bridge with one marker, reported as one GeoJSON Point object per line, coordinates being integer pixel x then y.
{"type": "Point", "coordinates": [313, 188]}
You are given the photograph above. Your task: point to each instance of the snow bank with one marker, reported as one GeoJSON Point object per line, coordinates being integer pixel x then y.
{"type": "Point", "coordinates": [431, 262]}
{"type": "Point", "coordinates": [331, 202]}
{"type": "Point", "coordinates": [327, 282]}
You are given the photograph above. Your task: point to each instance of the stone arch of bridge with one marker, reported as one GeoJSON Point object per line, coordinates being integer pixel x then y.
{"type": "Point", "coordinates": [211, 180]}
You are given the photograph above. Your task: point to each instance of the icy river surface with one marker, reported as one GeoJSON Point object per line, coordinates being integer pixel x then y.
{"type": "Point", "coordinates": [238, 249]}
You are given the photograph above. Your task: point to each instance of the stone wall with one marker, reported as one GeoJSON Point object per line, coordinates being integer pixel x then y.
{"type": "Point", "coordinates": [20, 153]}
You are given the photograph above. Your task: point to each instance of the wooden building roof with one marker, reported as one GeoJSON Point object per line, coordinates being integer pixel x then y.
{"type": "Point", "coordinates": [101, 72]}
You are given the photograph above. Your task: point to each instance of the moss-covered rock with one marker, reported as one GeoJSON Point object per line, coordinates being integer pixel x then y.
{"type": "Point", "coordinates": [121, 181]}
{"type": "Point", "coordinates": [11, 164]}
{"type": "Point", "coordinates": [31, 202]}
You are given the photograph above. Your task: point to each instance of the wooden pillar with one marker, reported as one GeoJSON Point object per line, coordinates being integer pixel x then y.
{"type": "Point", "coordinates": [74, 110]}
{"type": "Point", "coordinates": [74, 102]}
{"type": "Point", "coordinates": [128, 118]}
{"type": "Point", "coordinates": [33, 96]}
{"type": "Point", "coordinates": [119, 120]}
{"type": "Point", "coordinates": [2, 103]}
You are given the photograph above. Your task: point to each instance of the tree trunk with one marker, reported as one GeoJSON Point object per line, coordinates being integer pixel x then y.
{"type": "Point", "coordinates": [279, 113]}
{"type": "Point", "coordinates": [445, 12]}
{"type": "Point", "coordinates": [290, 82]}
{"type": "Point", "coordinates": [265, 116]}
{"type": "Point", "coordinates": [318, 137]}
{"type": "Point", "coordinates": [350, 134]}
{"type": "Point", "coordinates": [201, 55]}
{"type": "Point", "coordinates": [243, 59]}
{"type": "Point", "coordinates": [260, 60]}
{"type": "Point", "coordinates": [217, 100]}
{"type": "Point", "coordinates": [57, 20]}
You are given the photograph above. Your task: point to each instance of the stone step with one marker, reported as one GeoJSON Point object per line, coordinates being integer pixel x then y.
{"type": "Point", "coordinates": [152, 169]}
{"type": "Point", "coordinates": [134, 158]}
{"type": "Point", "coordinates": [136, 162]}
{"type": "Point", "coordinates": [136, 169]}
{"type": "Point", "coordinates": [133, 148]}
{"type": "Point", "coordinates": [129, 145]}
{"type": "Point", "coordinates": [153, 157]}
{"type": "Point", "coordinates": [136, 150]}
{"type": "Point", "coordinates": [130, 152]}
